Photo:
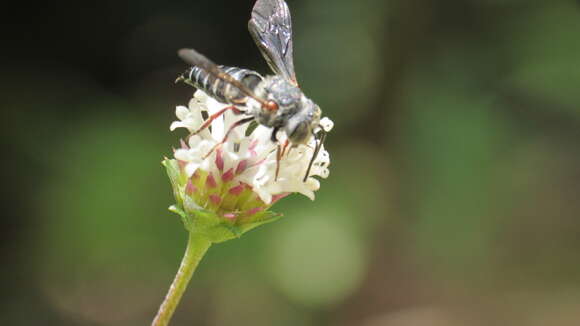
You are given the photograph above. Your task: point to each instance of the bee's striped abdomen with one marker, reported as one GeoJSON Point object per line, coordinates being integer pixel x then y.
{"type": "Point", "coordinates": [219, 89]}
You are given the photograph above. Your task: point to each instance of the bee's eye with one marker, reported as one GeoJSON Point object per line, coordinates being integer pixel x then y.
{"type": "Point", "coordinates": [271, 106]}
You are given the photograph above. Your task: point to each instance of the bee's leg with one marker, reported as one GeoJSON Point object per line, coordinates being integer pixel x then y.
{"type": "Point", "coordinates": [285, 147]}
{"type": "Point", "coordinates": [232, 127]}
{"type": "Point", "coordinates": [278, 158]}
{"type": "Point", "coordinates": [319, 143]}
{"type": "Point", "coordinates": [279, 154]}
{"type": "Point", "coordinates": [274, 137]}
{"type": "Point", "coordinates": [216, 115]}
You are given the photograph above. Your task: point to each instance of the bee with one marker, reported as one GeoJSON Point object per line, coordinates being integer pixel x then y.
{"type": "Point", "coordinates": [275, 101]}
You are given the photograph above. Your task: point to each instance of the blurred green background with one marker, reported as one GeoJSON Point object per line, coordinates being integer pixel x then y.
{"type": "Point", "coordinates": [453, 197]}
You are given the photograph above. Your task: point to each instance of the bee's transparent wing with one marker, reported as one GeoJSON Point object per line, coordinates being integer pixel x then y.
{"type": "Point", "coordinates": [271, 28]}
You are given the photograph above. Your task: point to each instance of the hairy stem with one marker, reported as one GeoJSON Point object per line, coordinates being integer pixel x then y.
{"type": "Point", "coordinates": [196, 249]}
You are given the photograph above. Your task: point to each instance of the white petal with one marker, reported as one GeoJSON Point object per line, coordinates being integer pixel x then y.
{"type": "Point", "coordinates": [190, 168]}
{"type": "Point", "coordinates": [264, 195]}
{"type": "Point", "coordinates": [181, 112]}
{"type": "Point", "coordinates": [308, 193]}
{"type": "Point", "coordinates": [182, 155]}
{"type": "Point", "coordinates": [177, 124]}
{"type": "Point", "coordinates": [326, 124]}
{"type": "Point", "coordinates": [194, 141]}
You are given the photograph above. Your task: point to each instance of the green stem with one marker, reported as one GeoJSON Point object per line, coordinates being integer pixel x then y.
{"type": "Point", "coordinates": [197, 246]}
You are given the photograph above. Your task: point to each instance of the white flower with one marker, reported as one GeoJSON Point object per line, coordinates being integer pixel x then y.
{"type": "Point", "coordinates": [246, 159]}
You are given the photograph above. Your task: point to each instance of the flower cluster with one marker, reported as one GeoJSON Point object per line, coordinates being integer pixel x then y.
{"type": "Point", "coordinates": [243, 176]}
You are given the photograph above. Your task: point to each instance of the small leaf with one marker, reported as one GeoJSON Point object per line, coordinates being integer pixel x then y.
{"type": "Point", "coordinates": [187, 222]}
{"type": "Point", "coordinates": [261, 219]}
{"type": "Point", "coordinates": [216, 228]}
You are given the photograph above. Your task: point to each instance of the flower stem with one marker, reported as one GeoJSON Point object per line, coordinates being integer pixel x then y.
{"type": "Point", "coordinates": [197, 246]}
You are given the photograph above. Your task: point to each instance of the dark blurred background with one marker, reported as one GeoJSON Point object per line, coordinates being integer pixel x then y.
{"type": "Point", "coordinates": [455, 174]}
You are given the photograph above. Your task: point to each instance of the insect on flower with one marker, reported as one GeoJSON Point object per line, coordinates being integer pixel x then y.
{"type": "Point", "coordinates": [274, 101]}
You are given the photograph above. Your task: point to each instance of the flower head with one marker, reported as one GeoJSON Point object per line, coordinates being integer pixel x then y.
{"type": "Point", "coordinates": [240, 179]}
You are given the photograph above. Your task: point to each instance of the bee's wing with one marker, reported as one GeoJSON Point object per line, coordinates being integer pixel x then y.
{"type": "Point", "coordinates": [271, 28]}
{"type": "Point", "coordinates": [197, 59]}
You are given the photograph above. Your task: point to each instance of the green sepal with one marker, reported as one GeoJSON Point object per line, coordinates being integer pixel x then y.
{"type": "Point", "coordinates": [219, 229]}
{"type": "Point", "coordinates": [257, 220]}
